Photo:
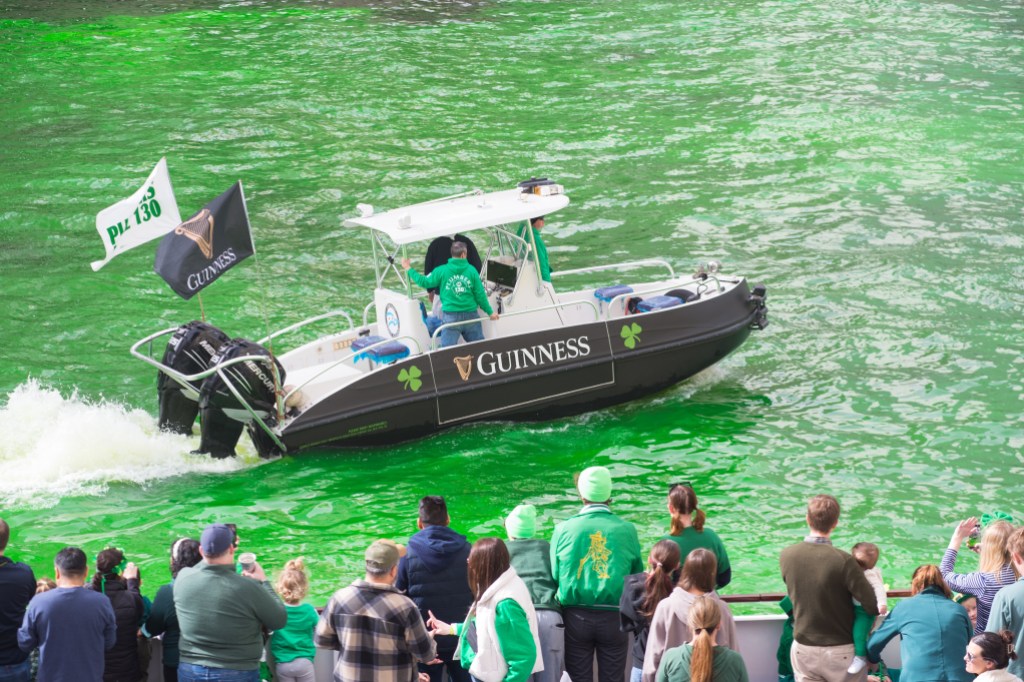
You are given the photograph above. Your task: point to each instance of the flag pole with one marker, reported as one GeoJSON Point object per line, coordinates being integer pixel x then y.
{"type": "Point", "coordinates": [263, 307]}
{"type": "Point", "coordinates": [202, 311]}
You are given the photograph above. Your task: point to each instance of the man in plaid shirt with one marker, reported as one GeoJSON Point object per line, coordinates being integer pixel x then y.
{"type": "Point", "coordinates": [377, 631]}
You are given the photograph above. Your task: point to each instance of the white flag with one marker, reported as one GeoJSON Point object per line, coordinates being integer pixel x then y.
{"type": "Point", "coordinates": [149, 213]}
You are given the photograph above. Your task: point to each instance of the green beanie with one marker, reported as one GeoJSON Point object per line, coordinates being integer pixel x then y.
{"type": "Point", "coordinates": [595, 484]}
{"type": "Point", "coordinates": [522, 522]}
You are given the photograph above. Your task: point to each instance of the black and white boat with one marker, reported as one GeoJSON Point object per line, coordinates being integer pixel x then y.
{"type": "Point", "coordinates": [551, 354]}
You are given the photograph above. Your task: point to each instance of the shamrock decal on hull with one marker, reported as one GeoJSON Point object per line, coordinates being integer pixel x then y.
{"type": "Point", "coordinates": [411, 378]}
{"type": "Point", "coordinates": [631, 335]}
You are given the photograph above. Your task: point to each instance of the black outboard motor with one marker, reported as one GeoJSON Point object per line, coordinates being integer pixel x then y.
{"type": "Point", "coordinates": [221, 415]}
{"type": "Point", "coordinates": [188, 351]}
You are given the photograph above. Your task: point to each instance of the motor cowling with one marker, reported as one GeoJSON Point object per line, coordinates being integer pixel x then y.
{"type": "Point", "coordinates": [222, 417]}
{"type": "Point", "coordinates": [189, 351]}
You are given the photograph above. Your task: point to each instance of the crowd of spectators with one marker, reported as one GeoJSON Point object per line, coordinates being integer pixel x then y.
{"type": "Point", "coordinates": [518, 608]}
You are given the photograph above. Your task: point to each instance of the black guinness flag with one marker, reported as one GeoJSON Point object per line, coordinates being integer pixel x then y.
{"type": "Point", "coordinates": [204, 247]}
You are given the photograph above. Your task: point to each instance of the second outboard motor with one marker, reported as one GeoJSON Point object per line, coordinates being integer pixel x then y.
{"type": "Point", "coordinates": [188, 351]}
{"type": "Point", "coordinates": [221, 415]}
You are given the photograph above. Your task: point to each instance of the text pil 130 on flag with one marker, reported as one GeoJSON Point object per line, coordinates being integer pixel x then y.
{"type": "Point", "coordinates": [207, 245]}
{"type": "Point", "coordinates": [149, 213]}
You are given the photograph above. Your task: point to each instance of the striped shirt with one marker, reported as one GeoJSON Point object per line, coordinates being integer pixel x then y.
{"type": "Point", "coordinates": [378, 633]}
{"type": "Point", "coordinates": [982, 585]}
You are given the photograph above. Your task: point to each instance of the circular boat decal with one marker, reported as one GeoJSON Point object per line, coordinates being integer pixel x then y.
{"type": "Point", "coordinates": [391, 320]}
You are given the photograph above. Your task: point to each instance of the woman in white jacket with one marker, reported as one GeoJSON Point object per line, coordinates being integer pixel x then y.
{"type": "Point", "coordinates": [507, 645]}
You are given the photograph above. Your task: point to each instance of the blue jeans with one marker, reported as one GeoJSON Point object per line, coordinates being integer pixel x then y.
{"type": "Point", "coordinates": [471, 332]}
{"type": "Point", "coordinates": [190, 672]}
{"type": "Point", "coordinates": [16, 672]}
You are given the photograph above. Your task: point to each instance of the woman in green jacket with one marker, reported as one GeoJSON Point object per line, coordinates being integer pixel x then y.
{"type": "Point", "coordinates": [506, 624]}
{"type": "Point", "coordinates": [933, 628]}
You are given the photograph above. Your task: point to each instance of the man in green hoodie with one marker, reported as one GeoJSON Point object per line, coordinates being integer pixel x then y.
{"type": "Point", "coordinates": [462, 292]}
{"type": "Point", "coordinates": [591, 555]}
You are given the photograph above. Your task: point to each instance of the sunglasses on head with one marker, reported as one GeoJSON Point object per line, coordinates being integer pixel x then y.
{"type": "Point", "coordinates": [681, 484]}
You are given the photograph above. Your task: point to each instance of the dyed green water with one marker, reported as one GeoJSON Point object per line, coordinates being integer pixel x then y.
{"type": "Point", "coordinates": [862, 160]}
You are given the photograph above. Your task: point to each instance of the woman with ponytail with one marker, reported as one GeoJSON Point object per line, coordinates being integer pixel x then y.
{"type": "Point", "coordinates": [688, 531]}
{"type": "Point", "coordinates": [641, 594]}
{"type": "Point", "coordinates": [988, 654]}
{"type": "Point", "coordinates": [670, 624]}
{"type": "Point", "coordinates": [933, 631]}
{"type": "Point", "coordinates": [119, 580]}
{"type": "Point", "coordinates": [702, 660]}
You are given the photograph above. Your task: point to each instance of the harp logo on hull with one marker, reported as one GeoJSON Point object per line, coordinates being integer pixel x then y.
{"type": "Point", "coordinates": [489, 363]}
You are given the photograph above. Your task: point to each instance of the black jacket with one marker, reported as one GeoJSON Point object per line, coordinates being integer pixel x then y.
{"type": "Point", "coordinates": [17, 587]}
{"type": "Point", "coordinates": [433, 574]}
{"type": "Point", "coordinates": [122, 661]}
{"type": "Point", "coordinates": [630, 618]}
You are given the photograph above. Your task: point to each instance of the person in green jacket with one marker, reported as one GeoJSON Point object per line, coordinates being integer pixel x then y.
{"type": "Point", "coordinates": [292, 645]}
{"type": "Point", "coordinates": [507, 645]}
{"type": "Point", "coordinates": [701, 660]}
{"type": "Point", "coordinates": [461, 291]}
{"type": "Point", "coordinates": [591, 555]}
{"type": "Point", "coordinates": [531, 557]}
{"type": "Point", "coordinates": [542, 250]}
{"type": "Point", "coordinates": [934, 631]}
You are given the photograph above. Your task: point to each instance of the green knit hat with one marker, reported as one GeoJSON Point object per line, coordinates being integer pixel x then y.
{"type": "Point", "coordinates": [522, 522]}
{"type": "Point", "coordinates": [595, 484]}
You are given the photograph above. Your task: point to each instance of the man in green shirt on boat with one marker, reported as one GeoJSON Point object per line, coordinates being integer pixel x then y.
{"type": "Point", "coordinates": [461, 291]}
{"type": "Point", "coordinates": [541, 249]}
{"type": "Point", "coordinates": [591, 555]}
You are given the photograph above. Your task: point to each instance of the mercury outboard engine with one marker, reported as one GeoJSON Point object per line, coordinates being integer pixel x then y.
{"type": "Point", "coordinates": [188, 351]}
{"type": "Point", "coordinates": [221, 415]}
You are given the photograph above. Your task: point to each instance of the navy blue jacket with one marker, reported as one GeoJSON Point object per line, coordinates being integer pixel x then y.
{"type": "Point", "coordinates": [433, 574]}
{"type": "Point", "coordinates": [72, 627]}
{"type": "Point", "coordinates": [17, 587]}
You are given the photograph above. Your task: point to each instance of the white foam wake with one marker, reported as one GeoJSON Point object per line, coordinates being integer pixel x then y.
{"type": "Point", "coordinates": [52, 446]}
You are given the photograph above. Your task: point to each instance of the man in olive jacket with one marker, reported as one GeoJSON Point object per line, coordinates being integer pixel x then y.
{"type": "Point", "coordinates": [822, 583]}
{"type": "Point", "coordinates": [222, 615]}
{"type": "Point", "coordinates": [591, 555]}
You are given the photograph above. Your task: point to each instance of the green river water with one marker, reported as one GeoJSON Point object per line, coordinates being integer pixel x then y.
{"type": "Point", "coordinates": [864, 160]}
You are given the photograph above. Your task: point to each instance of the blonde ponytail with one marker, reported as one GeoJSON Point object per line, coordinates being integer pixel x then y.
{"type": "Point", "coordinates": [704, 618]}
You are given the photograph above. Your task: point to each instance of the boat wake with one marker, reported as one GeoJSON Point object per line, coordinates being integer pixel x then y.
{"type": "Point", "coordinates": [56, 446]}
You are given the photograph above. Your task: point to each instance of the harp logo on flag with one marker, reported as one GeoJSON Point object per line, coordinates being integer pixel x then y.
{"type": "Point", "coordinates": [199, 229]}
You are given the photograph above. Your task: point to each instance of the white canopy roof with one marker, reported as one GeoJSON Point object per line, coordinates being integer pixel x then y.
{"type": "Point", "coordinates": [426, 221]}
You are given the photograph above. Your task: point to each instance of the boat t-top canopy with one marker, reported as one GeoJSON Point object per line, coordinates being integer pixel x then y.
{"type": "Point", "coordinates": [461, 213]}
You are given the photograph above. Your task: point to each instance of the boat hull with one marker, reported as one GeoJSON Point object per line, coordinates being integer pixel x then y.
{"type": "Point", "coordinates": [529, 377]}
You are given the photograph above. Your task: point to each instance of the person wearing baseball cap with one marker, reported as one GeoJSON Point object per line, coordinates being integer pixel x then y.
{"type": "Point", "coordinates": [591, 555]}
{"type": "Point", "coordinates": [365, 609]}
{"type": "Point", "coordinates": [222, 614]}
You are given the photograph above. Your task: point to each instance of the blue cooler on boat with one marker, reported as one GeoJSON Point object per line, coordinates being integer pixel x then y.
{"type": "Point", "coordinates": [385, 353]}
{"type": "Point", "coordinates": [658, 303]}
{"type": "Point", "coordinates": [606, 294]}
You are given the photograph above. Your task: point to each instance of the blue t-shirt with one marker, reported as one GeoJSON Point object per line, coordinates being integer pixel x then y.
{"type": "Point", "coordinates": [17, 587]}
{"type": "Point", "coordinates": [72, 627]}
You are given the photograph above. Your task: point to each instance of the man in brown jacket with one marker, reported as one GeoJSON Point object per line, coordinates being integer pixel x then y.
{"type": "Point", "coordinates": [822, 582]}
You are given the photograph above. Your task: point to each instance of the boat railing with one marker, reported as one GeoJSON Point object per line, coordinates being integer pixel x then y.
{"type": "Point", "coordinates": [700, 281]}
{"type": "Point", "coordinates": [306, 322]}
{"type": "Point", "coordinates": [186, 380]}
{"type": "Point", "coordinates": [629, 265]}
{"type": "Point", "coordinates": [567, 304]}
{"type": "Point", "coordinates": [328, 368]}
{"type": "Point", "coordinates": [366, 312]}
{"type": "Point", "coordinates": [773, 597]}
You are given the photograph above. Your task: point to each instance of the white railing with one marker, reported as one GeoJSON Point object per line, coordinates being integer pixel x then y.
{"type": "Point", "coordinates": [568, 304]}
{"type": "Point", "coordinates": [307, 321]}
{"type": "Point", "coordinates": [630, 265]}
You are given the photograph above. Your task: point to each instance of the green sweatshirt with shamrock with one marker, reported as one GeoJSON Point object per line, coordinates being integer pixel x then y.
{"type": "Point", "coordinates": [459, 284]}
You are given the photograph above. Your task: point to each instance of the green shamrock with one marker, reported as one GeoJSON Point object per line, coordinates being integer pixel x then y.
{"type": "Point", "coordinates": [631, 335]}
{"type": "Point", "coordinates": [411, 378]}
